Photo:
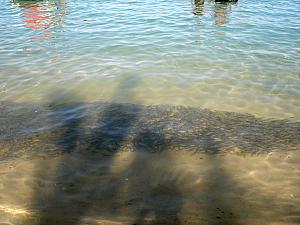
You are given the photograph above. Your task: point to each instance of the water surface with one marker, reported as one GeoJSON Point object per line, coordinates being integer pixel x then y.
{"type": "Point", "coordinates": [149, 112]}
{"type": "Point", "coordinates": [241, 57]}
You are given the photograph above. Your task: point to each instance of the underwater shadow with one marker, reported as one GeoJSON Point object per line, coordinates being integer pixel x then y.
{"type": "Point", "coordinates": [88, 174]}
{"type": "Point", "coordinates": [103, 141]}
{"type": "Point", "coordinates": [112, 160]}
{"type": "Point", "coordinates": [85, 135]}
{"type": "Point", "coordinates": [162, 198]}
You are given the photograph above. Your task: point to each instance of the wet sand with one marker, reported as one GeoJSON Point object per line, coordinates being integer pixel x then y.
{"type": "Point", "coordinates": [131, 164]}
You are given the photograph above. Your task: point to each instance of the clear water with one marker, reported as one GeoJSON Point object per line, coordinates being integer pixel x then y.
{"type": "Point", "coordinates": [242, 57]}
{"type": "Point", "coordinates": [72, 151]}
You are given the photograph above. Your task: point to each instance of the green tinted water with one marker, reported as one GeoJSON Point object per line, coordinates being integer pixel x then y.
{"type": "Point", "coordinates": [68, 158]}
{"type": "Point", "coordinates": [235, 57]}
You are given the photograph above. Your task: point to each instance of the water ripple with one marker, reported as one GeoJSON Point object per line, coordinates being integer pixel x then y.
{"type": "Point", "coordinates": [203, 54]}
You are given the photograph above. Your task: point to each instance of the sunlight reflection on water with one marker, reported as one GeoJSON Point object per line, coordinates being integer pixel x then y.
{"type": "Point", "coordinates": [72, 154]}
{"type": "Point", "coordinates": [216, 57]}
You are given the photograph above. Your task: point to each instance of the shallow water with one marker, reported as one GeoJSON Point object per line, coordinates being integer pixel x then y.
{"type": "Point", "coordinates": [107, 163]}
{"type": "Point", "coordinates": [149, 112]}
{"type": "Point", "coordinates": [240, 57]}
{"type": "Point", "coordinates": [142, 188]}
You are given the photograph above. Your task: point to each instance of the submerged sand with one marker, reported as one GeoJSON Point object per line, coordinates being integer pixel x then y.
{"type": "Point", "coordinates": [129, 164]}
{"type": "Point", "coordinates": [158, 188]}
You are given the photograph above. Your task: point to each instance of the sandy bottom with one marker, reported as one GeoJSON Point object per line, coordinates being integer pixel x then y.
{"type": "Point", "coordinates": [171, 187]}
